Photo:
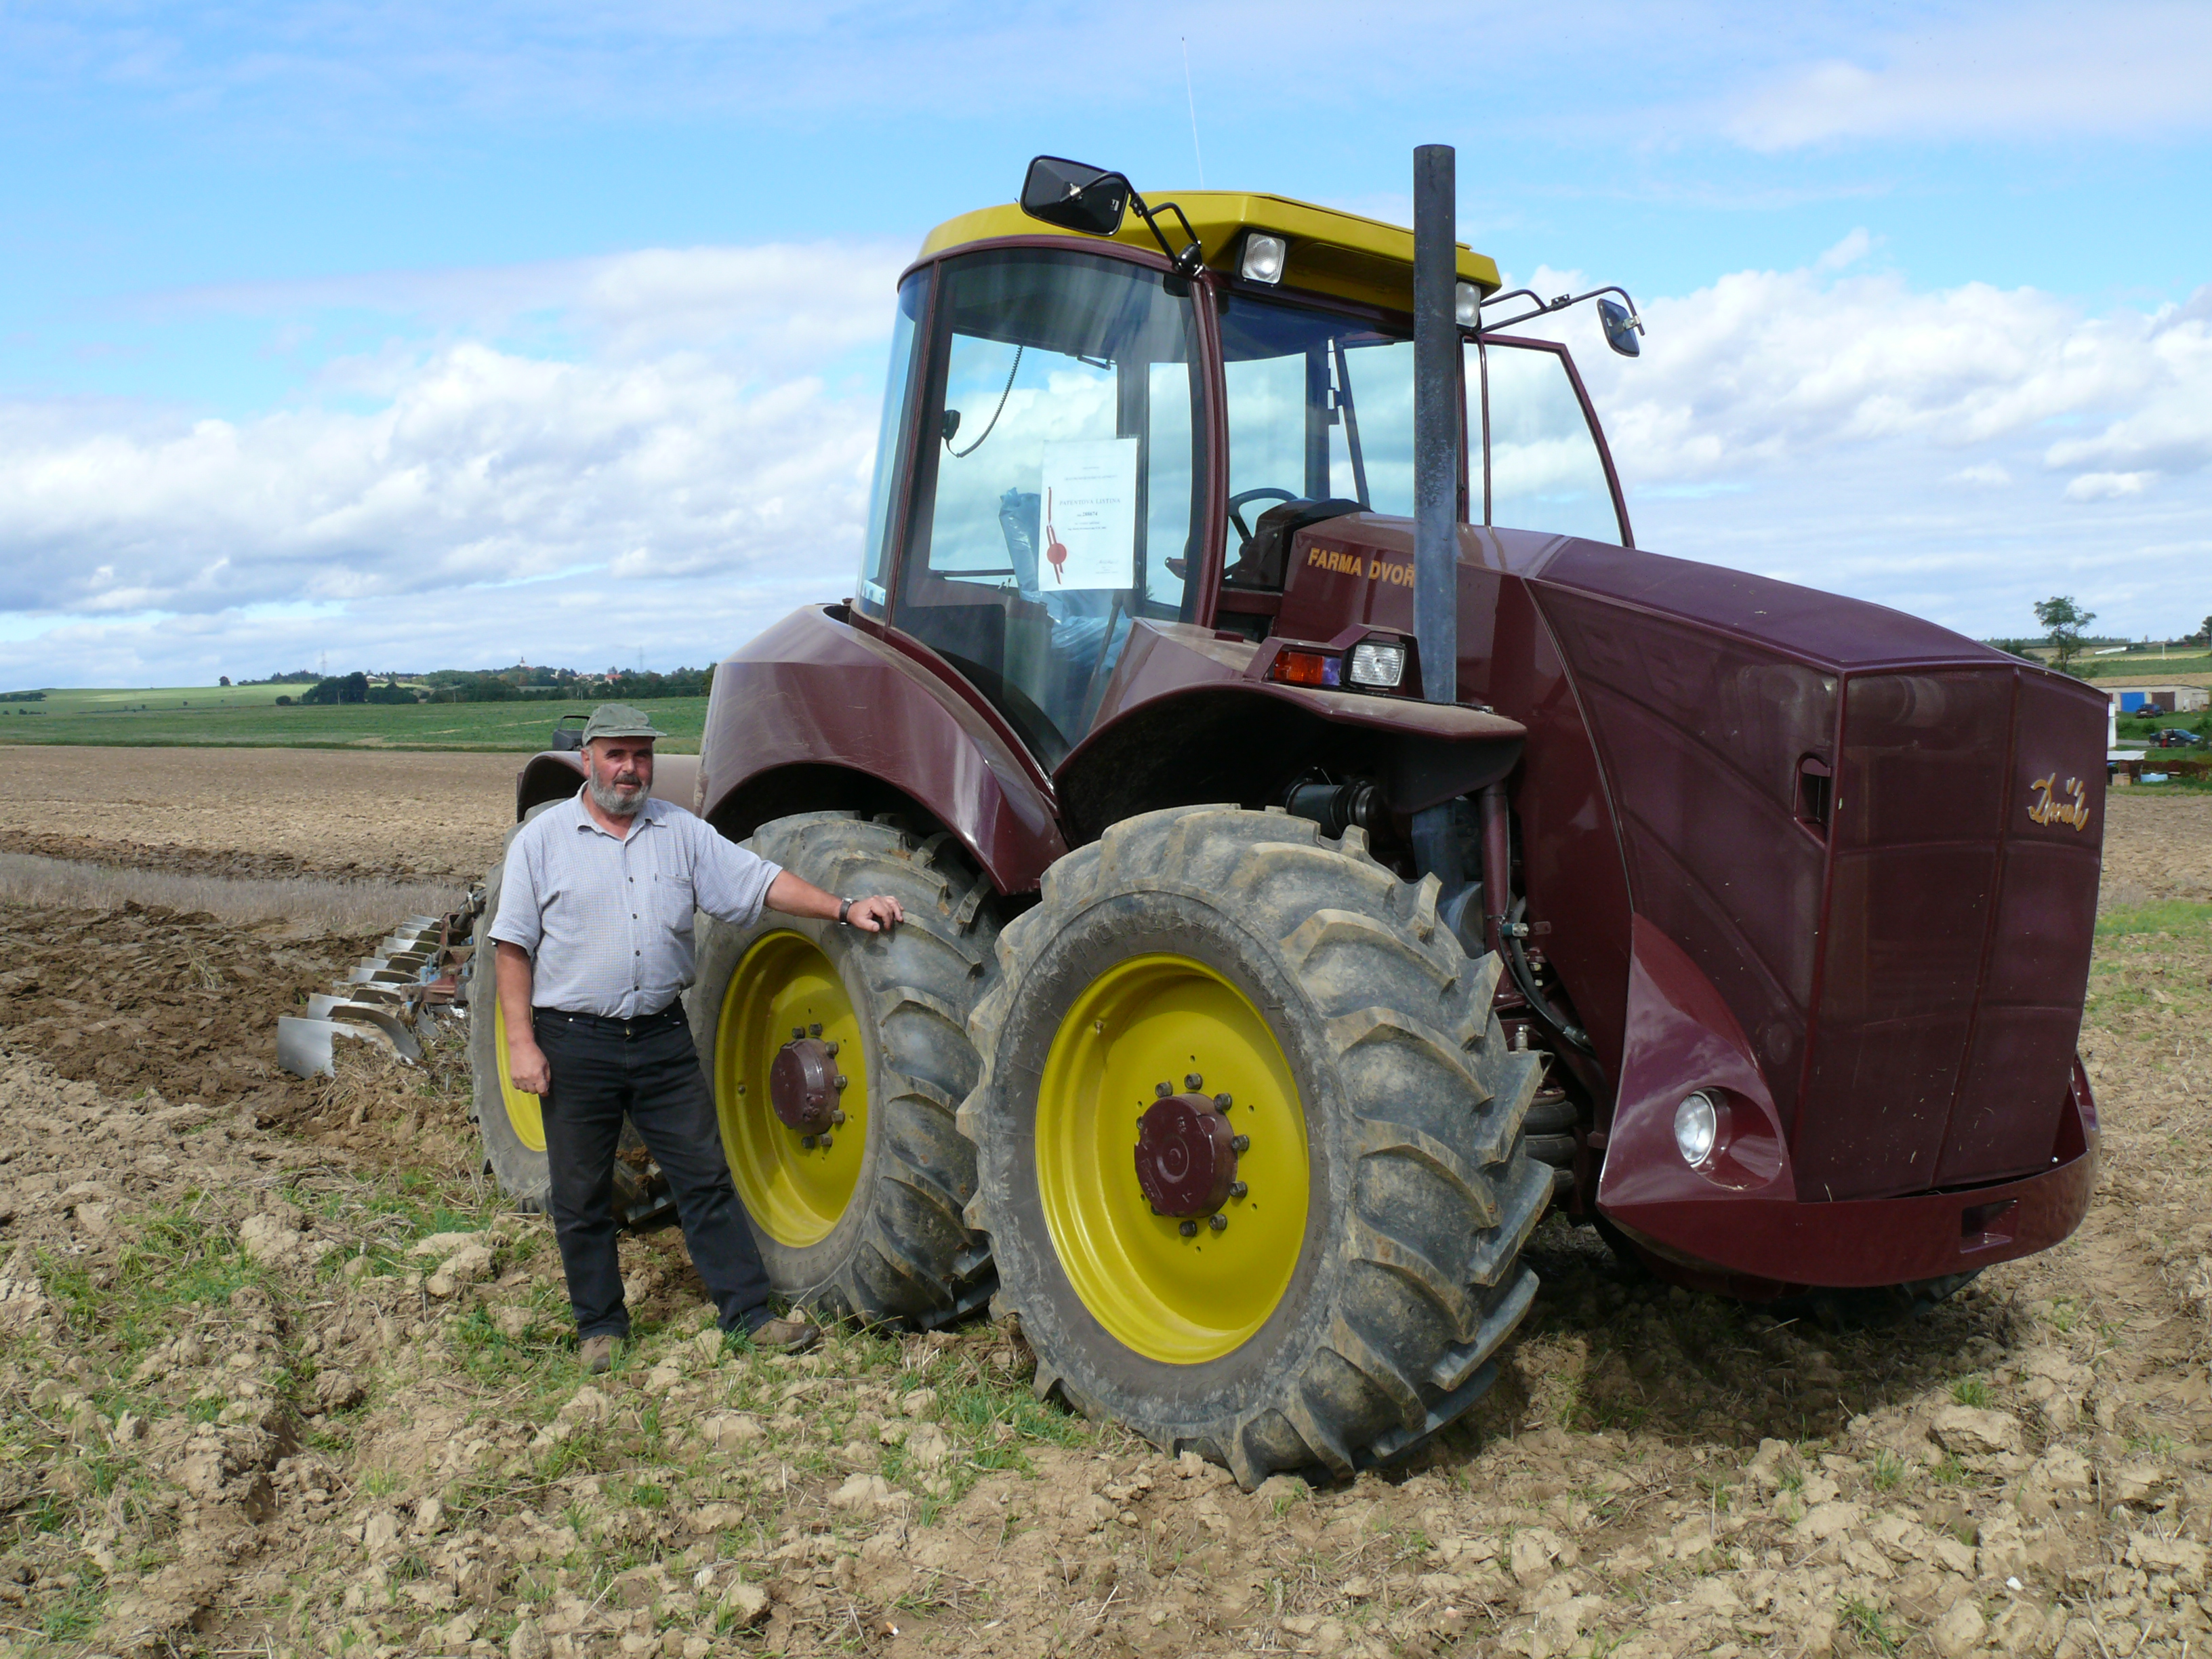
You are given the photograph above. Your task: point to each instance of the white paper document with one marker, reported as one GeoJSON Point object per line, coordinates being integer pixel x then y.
{"type": "Point", "coordinates": [1089, 538]}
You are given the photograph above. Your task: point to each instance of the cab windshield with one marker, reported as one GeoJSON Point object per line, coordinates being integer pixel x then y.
{"type": "Point", "coordinates": [1320, 408]}
{"type": "Point", "coordinates": [1053, 493]}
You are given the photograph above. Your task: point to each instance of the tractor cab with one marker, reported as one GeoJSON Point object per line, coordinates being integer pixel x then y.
{"type": "Point", "coordinates": [1084, 431]}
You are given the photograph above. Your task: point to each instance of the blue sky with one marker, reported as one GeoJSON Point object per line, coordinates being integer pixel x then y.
{"type": "Point", "coordinates": [398, 333]}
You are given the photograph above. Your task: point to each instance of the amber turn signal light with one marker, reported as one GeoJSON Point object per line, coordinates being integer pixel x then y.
{"type": "Point", "coordinates": [1306, 668]}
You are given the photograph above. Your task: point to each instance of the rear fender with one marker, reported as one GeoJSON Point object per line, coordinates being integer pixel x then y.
{"type": "Point", "coordinates": [1188, 719]}
{"type": "Point", "coordinates": [549, 775]}
{"type": "Point", "coordinates": [816, 714]}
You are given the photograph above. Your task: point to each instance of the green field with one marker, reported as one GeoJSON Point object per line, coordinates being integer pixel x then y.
{"type": "Point", "coordinates": [2141, 666]}
{"type": "Point", "coordinates": [247, 717]}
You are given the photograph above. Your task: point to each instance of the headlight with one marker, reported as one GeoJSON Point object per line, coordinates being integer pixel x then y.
{"type": "Point", "coordinates": [1263, 257]}
{"type": "Point", "coordinates": [1697, 1127]}
{"type": "Point", "coordinates": [1466, 304]}
{"type": "Point", "coordinates": [1378, 665]}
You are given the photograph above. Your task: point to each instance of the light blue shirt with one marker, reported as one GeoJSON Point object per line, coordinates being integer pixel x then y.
{"type": "Point", "coordinates": [607, 920]}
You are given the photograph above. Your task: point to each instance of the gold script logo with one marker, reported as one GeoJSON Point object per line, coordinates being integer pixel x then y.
{"type": "Point", "coordinates": [2054, 805]}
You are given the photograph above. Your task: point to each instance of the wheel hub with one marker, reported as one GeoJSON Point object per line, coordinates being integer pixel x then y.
{"type": "Point", "coordinates": [803, 1084]}
{"type": "Point", "coordinates": [1186, 1155]}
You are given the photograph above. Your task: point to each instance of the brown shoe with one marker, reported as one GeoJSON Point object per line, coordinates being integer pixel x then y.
{"type": "Point", "coordinates": [795, 1334]}
{"type": "Point", "coordinates": [599, 1354]}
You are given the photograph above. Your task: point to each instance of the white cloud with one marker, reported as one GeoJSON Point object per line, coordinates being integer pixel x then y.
{"type": "Point", "coordinates": [691, 475]}
{"type": "Point", "coordinates": [2042, 72]}
{"type": "Point", "coordinates": [1818, 428]}
{"type": "Point", "coordinates": [691, 472]}
{"type": "Point", "coordinates": [1853, 248]}
{"type": "Point", "coordinates": [2107, 486]}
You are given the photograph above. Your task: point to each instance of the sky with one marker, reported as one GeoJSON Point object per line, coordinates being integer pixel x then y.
{"type": "Point", "coordinates": [394, 335]}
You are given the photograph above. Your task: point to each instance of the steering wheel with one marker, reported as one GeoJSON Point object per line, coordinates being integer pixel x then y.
{"type": "Point", "coordinates": [1266, 492]}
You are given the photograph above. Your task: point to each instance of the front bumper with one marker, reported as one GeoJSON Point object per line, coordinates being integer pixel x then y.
{"type": "Point", "coordinates": [1768, 1241]}
{"type": "Point", "coordinates": [1742, 1222]}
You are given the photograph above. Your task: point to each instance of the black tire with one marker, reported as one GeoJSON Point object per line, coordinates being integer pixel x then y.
{"type": "Point", "coordinates": [900, 1251]}
{"type": "Point", "coordinates": [641, 1196]}
{"type": "Point", "coordinates": [1420, 1196]}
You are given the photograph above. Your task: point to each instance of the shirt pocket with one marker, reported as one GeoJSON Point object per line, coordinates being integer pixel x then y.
{"type": "Point", "coordinates": [673, 903]}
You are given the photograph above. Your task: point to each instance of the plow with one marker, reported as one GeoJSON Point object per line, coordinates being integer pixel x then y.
{"type": "Point", "coordinates": [1330, 847]}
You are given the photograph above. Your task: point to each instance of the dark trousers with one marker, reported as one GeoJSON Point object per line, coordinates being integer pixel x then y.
{"type": "Point", "coordinates": [647, 1067]}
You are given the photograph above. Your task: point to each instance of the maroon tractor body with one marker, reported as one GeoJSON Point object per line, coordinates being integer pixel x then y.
{"type": "Point", "coordinates": [1788, 898]}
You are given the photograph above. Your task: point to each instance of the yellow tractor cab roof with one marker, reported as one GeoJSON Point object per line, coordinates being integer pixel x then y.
{"type": "Point", "coordinates": [1332, 252]}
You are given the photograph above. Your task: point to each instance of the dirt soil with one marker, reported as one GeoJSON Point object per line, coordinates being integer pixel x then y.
{"type": "Point", "coordinates": [264, 811]}
{"type": "Point", "coordinates": [277, 1376]}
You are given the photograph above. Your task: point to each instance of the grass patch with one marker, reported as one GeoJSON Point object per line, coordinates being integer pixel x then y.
{"type": "Point", "coordinates": [1974, 1391]}
{"type": "Point", "coordinates": [1887, 1473]}
{"type": "Point", "coordinates": [2176, 916]}
{"type": "Point", "coordinates": [1868, 1627]}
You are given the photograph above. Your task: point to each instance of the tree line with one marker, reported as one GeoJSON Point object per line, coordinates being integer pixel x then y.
{"type": "Point", "coordinates": [506, 686]}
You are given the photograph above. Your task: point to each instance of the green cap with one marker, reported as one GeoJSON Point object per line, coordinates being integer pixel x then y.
{"type": "Point", "coordinates": [619, 719]}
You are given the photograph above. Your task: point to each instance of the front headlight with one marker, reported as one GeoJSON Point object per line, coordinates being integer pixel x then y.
{"type": "Point", "coordinates": [1375, 664]}
{"type": "Point", "coordinates": [1697, 1127]}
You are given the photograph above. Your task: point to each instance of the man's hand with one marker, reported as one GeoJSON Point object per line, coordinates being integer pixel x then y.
{"type": "Point", "coordinates": [526, 1067]}
{"type": "Point", "coordinates": [874, 916]}
{"type": "Point", "coordinates": [795, 895]}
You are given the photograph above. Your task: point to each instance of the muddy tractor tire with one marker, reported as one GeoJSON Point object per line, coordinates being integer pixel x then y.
{"type": "Point", "coordinates": [1322, 1279]}
{"type": "Point", "coordinates": [860, 1216]}
{"type": "Point", "coordinates": [510, 1124]}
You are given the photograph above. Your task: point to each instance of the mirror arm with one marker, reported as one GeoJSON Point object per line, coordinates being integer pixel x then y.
{"type": "Point", "coordinates": [1545, 307]}
{"type": "Point", "coordinates": [1190, 260]}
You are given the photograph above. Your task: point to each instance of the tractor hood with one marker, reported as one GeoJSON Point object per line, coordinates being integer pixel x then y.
{"type": "Point", "coordinates": [1878, 841]}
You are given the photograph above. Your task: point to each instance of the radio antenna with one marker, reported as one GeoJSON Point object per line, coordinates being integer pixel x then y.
{"type": "Point", "coordinates": [1192, 98]}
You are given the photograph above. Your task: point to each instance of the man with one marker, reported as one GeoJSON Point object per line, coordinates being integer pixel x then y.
{"type": "Point", "coordinates": [594, 937]}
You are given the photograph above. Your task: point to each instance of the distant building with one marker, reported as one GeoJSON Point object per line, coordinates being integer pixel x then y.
{"type": "Point", "coordinates": [2160, 699]}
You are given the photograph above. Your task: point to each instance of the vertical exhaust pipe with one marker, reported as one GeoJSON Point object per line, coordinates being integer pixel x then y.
{"type": "Point", "coordinates": [1436, 492]}
{"type": "Point", "coordinates": [1436, 421]}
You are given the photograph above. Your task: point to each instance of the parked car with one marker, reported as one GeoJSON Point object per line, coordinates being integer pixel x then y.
{"type": "Point", "coordinates": [2173, 737]}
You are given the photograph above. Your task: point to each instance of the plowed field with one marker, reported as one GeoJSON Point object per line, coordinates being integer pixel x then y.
{"type": "Point", "coordinates": [277, 1376]}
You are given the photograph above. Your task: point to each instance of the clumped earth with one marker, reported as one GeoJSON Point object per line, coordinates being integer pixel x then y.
{"type": "Point", "coordinates": [278, 1376]}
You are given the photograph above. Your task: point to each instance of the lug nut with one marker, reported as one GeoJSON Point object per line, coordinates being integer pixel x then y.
{"type": "Point", "coordinates": [807, 1141]}
{"type": "Point", "coordinates": [833, 1050]}
{"type": "Point", "coordinates": [1164, 1089]}
{"type": "Point", "coordinates": [1237, 1190]}
{"type": "Point", "coordinates": [838, 1116]}
{"type": "Point", "coordinates": [1223, 1101]}
{"type": "Point", "coordinates": [825, 1142]}
{"type": "Point", "coordinates": [1194, 1082]}
{"type": "Point", "coordinates": [1219, 1222]}
{"type": "Point", "coordinates": [815, 1030]}
{"type": "Point", "coordinates": [798, 1032]}
{"type": "Point", "coordinates": [1188, 1229]}
{"type": "Point", "coordinates": [839, 1082]}
{"type": "Point", "coordinates": [1240, 1142]}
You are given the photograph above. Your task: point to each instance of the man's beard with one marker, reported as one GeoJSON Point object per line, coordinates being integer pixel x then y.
{"type": "Point", "coordinates": [614, 800]}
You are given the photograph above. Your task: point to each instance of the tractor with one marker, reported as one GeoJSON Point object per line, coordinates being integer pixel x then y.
{"type": "Point", "coordinates": [1330, 845]}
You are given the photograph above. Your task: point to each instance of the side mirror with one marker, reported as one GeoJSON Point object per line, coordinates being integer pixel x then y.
{"type": "Point", "coordinates": [1069, 195]}
{"type": "Point", "coordinates": [1622, 326]}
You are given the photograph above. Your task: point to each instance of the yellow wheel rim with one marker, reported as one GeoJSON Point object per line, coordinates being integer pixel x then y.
{"type": "Point", "coordinates": [797, 1193]}
{"type": "Point", "coordinates": [1149, 1020]}
{"type": "Point", "coordinates": [525, 1113]}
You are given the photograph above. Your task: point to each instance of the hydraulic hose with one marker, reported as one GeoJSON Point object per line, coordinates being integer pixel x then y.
{"type": "Point", "coordinates": [1517, 964]}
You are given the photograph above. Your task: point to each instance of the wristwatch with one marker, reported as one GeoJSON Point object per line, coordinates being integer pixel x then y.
{"type": "Point", "coordinates": [844, 913]}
